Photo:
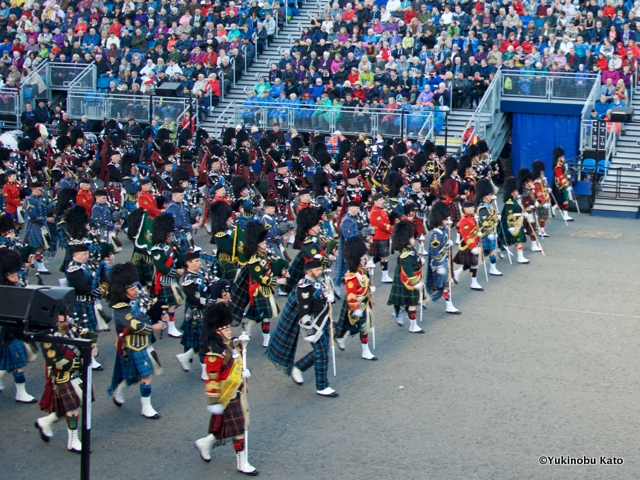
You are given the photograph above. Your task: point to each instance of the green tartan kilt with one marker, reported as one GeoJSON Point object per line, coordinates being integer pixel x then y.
{"type": "Point", "coordinates": [519, 237]}
{"type": "Point", "coordinates": [166, 296]}
{"type": "Point", "coordinates": [145, 273]}
{"type": "Point", "coordinates": [543, 214]}
{"type": "Point", "coordinates": [228, 271]}
{"type": "Point", "coordinates": [296, 272]}
{"type": "Point", "coordinates": [344, 325]}
{"type": "Point", "coordinates": [400, 295]}
{"type": "Point", "coordinates": [260, 309]}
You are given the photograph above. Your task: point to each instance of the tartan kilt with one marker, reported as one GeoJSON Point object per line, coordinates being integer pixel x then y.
{"type": "Point", "coordinates": [240, 296]}
{"type": "Point", "coordinates": [192, 331]}
{"type": "Point", "coordinates": [436, 282]}
{"type": "Point", "coordinates": [296, 272]}
{"type": "Point", "coordinates": [145, 272]}
{"type": "Point", "coordinates": [130, 206]}
{"type": "Point", "coordinates": [520, 237]}
{"type": "Point", "coordinates": [261, 309]}
{"type": "Point", "coordinates": [379, 248]}
{"type": "Point", "coordinates": [13, 356]}
{"type": "Point", "coordinates": [33, 236]}
{"type": "Point", "coordinates": [65, 398]}
{"type": "Point", "coordinates": [284, 337]}
{"type": "Point", "coordinates": [137, 364]}
{"type": "Point", "coordinates": [543, 213]}
{"type": "Point", "coordinates": [166, 296]}
{"type": "Point", "coordinates": [454, 212]}
{"type": "Point", "coordinates": [490, 244]}
{"type": "Point", "coordinates": [228, 271]}
{"type": "Point", "coordinates": [344, 325]}
{"type": "Point", "coordinates": [400, 295]}
{"type": "Point", "coordinates": [87, 308]}
{"type": "Point", "coordinates": [230, 423]}
{"type": "Point", "coordinates": [465, 257]}
{"type": "Point", "coordinates": [181, 238]}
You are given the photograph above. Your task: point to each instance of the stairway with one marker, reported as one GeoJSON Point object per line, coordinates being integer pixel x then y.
{"type": "Point", "coordinates": [627, 156]}
{"type": "Point", "coordinates": [457, 122]}
{"type": "Point", "coordinates": [261, 66]}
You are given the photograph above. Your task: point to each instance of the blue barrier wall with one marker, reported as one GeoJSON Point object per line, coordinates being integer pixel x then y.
{"type": "Point", "coordinates": [534, 136]}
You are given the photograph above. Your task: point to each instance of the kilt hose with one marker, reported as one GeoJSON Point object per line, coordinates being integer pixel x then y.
{"type": "Point", "coordinates": [13, 356]}
{"type": "Point", "coordinates": [131, 367]}
{"type": "Point", "coordinates": [401, 295]}
{"type": "Point", "coordinates": [230, 423]}
{"type": "Point", "coordinates": [379, 248]}
{"type": "Point", "coordinates": [319, 358]}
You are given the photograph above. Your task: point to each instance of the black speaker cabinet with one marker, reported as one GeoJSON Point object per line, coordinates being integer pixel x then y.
{"type": "Point", "coordinates": [168, 89]}
{"type": "Point", "coordinates": [622, 114]}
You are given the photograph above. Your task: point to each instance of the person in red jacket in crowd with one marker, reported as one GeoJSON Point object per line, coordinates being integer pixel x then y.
{"type": "Point", "coordinates": [512, 41]}
{"type": "Point", "coordinates": [85, 197]}
{"type": "Point", "coordinates": [11, 194]}
{"type": "Point", "coordinates": [379, 220]}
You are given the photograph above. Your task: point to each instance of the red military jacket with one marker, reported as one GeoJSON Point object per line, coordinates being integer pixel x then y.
{"type": "Point", "coordinates": [450, 187]}
{"type": "Point", "coordinates": [469, 232]}
{"type": "Point", "coordinates": [148, 203]}
{"type": "Point", "coordinates": [11, 194]}
{"type": "Point", "coordinates": [85, 200]}
{"type": "Point", "coordinates": [379, 220]}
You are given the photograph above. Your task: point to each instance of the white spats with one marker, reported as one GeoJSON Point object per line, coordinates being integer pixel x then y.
{"type": "Point", "coordinates": [204, 446]}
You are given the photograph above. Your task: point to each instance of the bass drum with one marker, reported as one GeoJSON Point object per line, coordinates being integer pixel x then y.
{"type": "Point", "coordinates": [11, 139]}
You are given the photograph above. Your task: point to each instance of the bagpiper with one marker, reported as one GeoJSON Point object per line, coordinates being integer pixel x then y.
{"type": "Point", "coordinates": [37, 232]}
{"type": "Point", "coordinates": [488, 220]}
{"type": "Point", "coordinates": [228, 238]}
{"type": "Point", "coordinates": [469, 249]}
{"type": "Point", "coordinates": [142, 239]}
{"type": "Point", "coordinates": [529, 204]}
{"type": "Point", "coordinates": [357, 310]}
{"type": "Point", "coordinates": [561, 183]}
{"type": "Point", "coordinates": [541, 191]}
{"type": "Point", "coordinates": [408, 285]}
{"type": "Point", "coordinates": [383, 228]}
{"type": "Point", "coordinates": [513, 219]}
{"type": "Point", "coordinates": [179, 210]}
{"type": "Point", "coordinates": [225, 388]}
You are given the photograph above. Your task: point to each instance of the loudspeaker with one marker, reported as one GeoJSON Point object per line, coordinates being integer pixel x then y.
{"type": "Point", "coordinates": [34, 308]}
{"type": "Point", "coordinates": [168, 89]}
{"type": "Point", "coordinates": [622, 114]}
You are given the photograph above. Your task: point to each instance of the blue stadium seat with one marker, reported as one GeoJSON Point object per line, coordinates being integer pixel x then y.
{"type": "Point", "coordinates": [588, 165]}
{"type": "Point", "coordinates": [103, 82]}
{"type": "Point", "coordinates": [603, 167]}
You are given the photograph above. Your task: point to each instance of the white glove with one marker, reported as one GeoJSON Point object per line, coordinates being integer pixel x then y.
{"type": "Point", "coordinates": [512, 230]}
{"type": "Point", "coordinates": [357, 313]}
{"type": "Point", "coordinates": [546, 205]}
{"type": "Point", "coordinates": [499, 217]}
{"type": "Point", "coordinates": [475, 250]}
{"type": "Point", "coordinates": [531, 218]}
{"type": "Point", "coordinates": [244, 338]}
{"type": "Point", "coordinates": [570, 189]}
{"type": "Point", "coordinates": [372, 289]}
{"type": "Point", "coordinates": [370, 264]}
{"type": "Point", "coordinates": [216, 409]}
{"type": "Point", "coordinates": [418, 286]}
{"type": "Point", "coordinates": [450, 243]}
{"type": "Point", "coordinates": [330, 298]}
{"type": "Point", "coordinates": [491, 236]}
{"type": "Point", "coordinates": [441, 270]}
{"type": "Point", "coordinates": [246, 373]}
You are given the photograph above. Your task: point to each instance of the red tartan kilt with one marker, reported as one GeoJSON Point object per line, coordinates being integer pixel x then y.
{"type": "Point", "coordinates": [230, 423]}
{"type": "Point", "coordinates": [65, 399]}
{"type": "Point", "coordinates": [189, 168]}
{"type": "Point", "coordinates": [454, 212]}
{"type": "Point", "coordinates": [114, 194]}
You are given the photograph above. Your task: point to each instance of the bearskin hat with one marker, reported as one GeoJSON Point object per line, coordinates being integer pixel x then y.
{"type": "Point", "coordinates": [482, 146]}
{"type": "Point", "coordinates": [217, 315]}
{"type": "Point", "coordinates": [242, 136]}
{"type": "Point", "coordinates": [401, 148]}
{"type": "Point", "coordinates": [167, 149]}
{"type": "Point", "coordinates": [510, 184]}
{"type": "Point", "coordinates": [296, 144]}
{"type": "Point", "coordinates": [441, 151]}
{"type": "Point", "coordinates": [65, 199]}
{"type": "Point", "coordinates": [537, 169]}
{"type": "Point", "coordinates": [558, 152]}
{"type": "Point", "coordinates": [179, 175]}
{"type": "Point", "coordinates": [307, 219]}
{"type": "Point", "coordinates": [121, 276]}
{"type": "Point", "coordinates": [450, 166]}
{"type": "Point", "coordinates": [419, 161]}
{"type": "Point", "coordinates": [228, 135]}
{"type": "Point", "coordinates": [33, 133]}
{"type": "Point", "coordinates": [276, 155]}
{"type": "Point", "coordinates": [320, 181]}
{"type": "Point", "coordinates": [394, 182]}
{"type": "Point", "coordinates": [360, 154]}
{"type": "Point", "coordinates": [387, 152]}
{"type": "Point", "coordinates": [353, 250]}
{"type": "Point", "coordinates": [323, 158]}
{"type": "Point", "coordinates": [5, 154]}
{"type": "Point", "coordinates": [76, 133]}
{"type": "Point", "coordinates": [238, 183]}
{"type": "Point", "coordinates": [62, 142]}
{"type": "Point", "coordinates": [345, 148]}
{"type": "Point", "coordinates": [112, 124]}
{"type": "Point", "coordinates": [135, 220]}
{"type": "Point", "coordinates": [473, 151]}
{"type": "Point", "coordinates": [409, 207]}
{"type": "Point", "coordinates": [220, 213]}
{"type": "Point", "coordinates": [76, 220]}
{"type": "Point", "coordinates": [439, 213]}
{"type": "Point", "coordinates": [6, 224]}
{"type": "Point", "coordinates": [163, 225]}
{"type": "Point", "coordinates": [215, 149]}
{"type": "Point", "coordinates": [524, 176]}
{"type": "Point", "coordinates": [25, 144]}
{"type": "Point", "coordinates": [127, 161]}
{"type": "Point", "coordinates": [319, 145]}
{"type": "Point", "coordinates": [147, 133]}
{"type": "Point", "coordinates": [264, 144]}
{"type": "Point", "coordinates": [398, 163]}
{"type": "Point", "coordinates": [10, 262]}
{"type": "Point", "coordinates": [163, 135]}
{"type": "Point", "coordinates": [403, 232]}
{"type": "Point", "coordinates": [463, 164]}
{"type": "Point", "coordinates": [484, 187]}
{"type": "Point", "coordinates": [429, 147]}
{"type": "Point", "coordinates": [254, 233]}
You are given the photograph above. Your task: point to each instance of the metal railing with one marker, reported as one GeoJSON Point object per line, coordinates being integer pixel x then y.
{"type": "Point", "coordinates": [30, 86]}
{"type": "Point", "coordinates": [485, 112]}
{"type": "Point", "coordinates": [86, 80]}
{"type": "Point", "coordinates": [620, 183]}
{"type": "Point", "coordinates": [548, 86]}
{"type": "Point", "coordinates": [586, 110]}
{"type": "Point", "coordinates": [9, 107]}
{"type": "Point", "coordinates": [60, 76]}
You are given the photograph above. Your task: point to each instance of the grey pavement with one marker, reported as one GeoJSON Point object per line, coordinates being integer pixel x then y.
{"type": "Point", "coordinates": [544, 362]}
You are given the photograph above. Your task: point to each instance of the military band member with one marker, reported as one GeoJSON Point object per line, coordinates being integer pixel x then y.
{"type": "Point", "coordinates": [133, 327]}
{"type": "Point", "coordinates": [541, 191]}
{"type": "Point", "coordinates": [243, 204]}
{"type": "Point", "coordinates": [356, 312]}
{"type": "Point", "coordinates": [102, 215]}
{"type": "Point", "coordinates": [529, 203]}
{"type": "Point", "coordinates": [408, 285]}
{"type": "Point", "coordinates": [81, 277]}
{"type": "Point", "coordinates": [450, 185]}
{"type": "Point", "coordinates": [11, 195]}
{"type": "Point", "coordinates": [513, 219]}
{"type": "Point", "coordinates": [141, 257]}
{"type": "Point", "coordinates": [167, 263]}
{"type": "Point", "coordinates": [348, 228]}
{"type": "Point", "coordinates": [270, 222]}
{"type": "Point", "coordinates": [383, 228]}
{"type": "Point", "coordinates": [224, 387]}
{"type": "Point", "coordinates": [228, 238]}
{"type": "Point", "coordinates": [130, 181]}
{"type": "Point", "coordinates": [488, 220]}
{"type": "Point", "coordinates": [13, 357]}
{"type": "Point", "coordinates": [180, 211]}
{"type": "Point", "coordinates": [561, 183]}
{"type": "Point", "coordinates": [147, 201]}
{"type": "Point", "coordinates": [469, 248]}
{"type": "Point", "coordinates": [284, 189]}
{"type": "Point", "coordinates": [62, 396]}
{"type": "Point", "coordinates": [85, 198]}
{"type": "Point", "coordinates": [438, 256]}
{"type": "Point", "coordinates": [114, 179]}
{"type": "Point", "coordinates": [35, 209]}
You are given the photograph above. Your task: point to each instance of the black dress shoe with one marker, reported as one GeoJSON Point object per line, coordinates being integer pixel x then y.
{"type": "Point", "coordinates": [332, 394]}
{"type": "Point", "coordinates": [372, 359]}
{"type": "Point", "coordinates": [27, 401]}
{"type": "Point", "coordinates": [117, 403]}
{"type": "Point", "coordinates": [155, 417]}
{"type": "Point", "coordinates": [97, 369]}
